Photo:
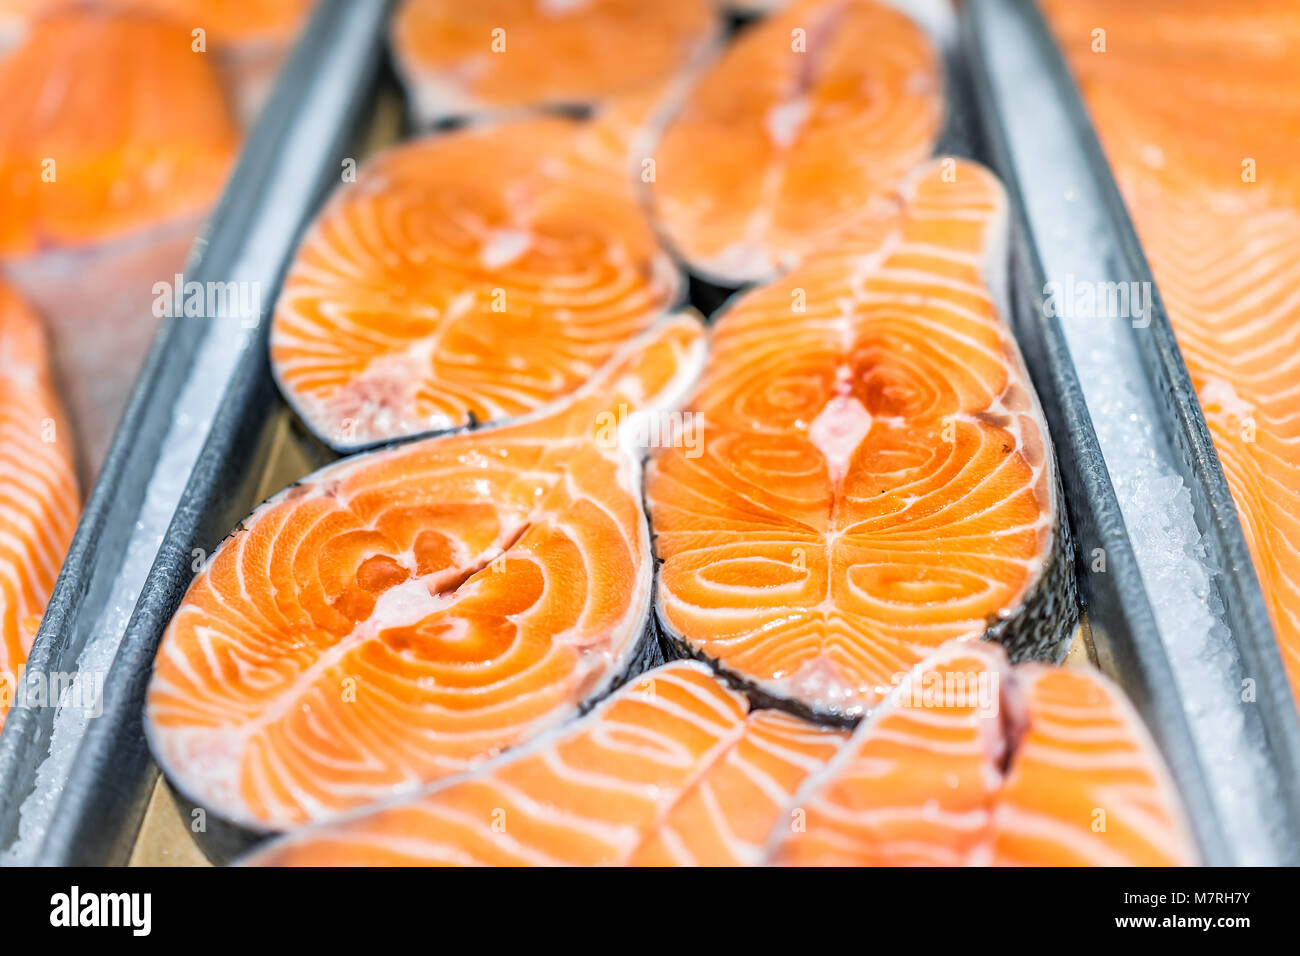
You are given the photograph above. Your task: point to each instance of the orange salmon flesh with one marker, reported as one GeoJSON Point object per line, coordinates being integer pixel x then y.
{"type": "Point", "coordinates": [39, 499]}
{"type": "Point", "coordinates": [467, 278]}
{"type": "Point", "coordinates": [1040, 766]}
{"type": "Point", "coordinates": [877, 476]}
{"type": "Point", "coordinates": [673, 769]}
{"type": "Point", "coordinates": [499, 55]}
{"type": "Point", "coordinates": [809, 119]}
{"type": "Point", "coordinates": [972, 763]}
{"type": "Point", "coordinates": [399, 616]}
{"type": "Point", "coordinates": [840, 499]}
{"type": "Point", "coordinates": [133, 131]}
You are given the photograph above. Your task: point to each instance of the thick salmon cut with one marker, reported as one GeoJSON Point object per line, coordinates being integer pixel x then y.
{"type": "Point", "coordinates": [970, 762]}
{"type": "Point", "coordinates": [808, 119]}
{"type": "Point", "coordinates": [459, 59]}
{"type": "Point", "coordinates": [1209, 176]}
{"type": "Point", "coordinates": [672, 769]}
{"type": "Point", "coordinates": [467, 278]}
{"type": "Point", "coordinates": [877, 476]}
{"type": "Point", "coordinates": [114, 126]}
{"type": "Point", "coordinates": [402, 615]}
{"type": "Point", "coordinates": [39, 500]}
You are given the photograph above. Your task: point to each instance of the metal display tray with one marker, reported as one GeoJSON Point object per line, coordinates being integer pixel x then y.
{"type": "Point", "coordinates": [115, 809]}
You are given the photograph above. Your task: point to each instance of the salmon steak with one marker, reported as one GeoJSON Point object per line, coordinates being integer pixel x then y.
{"type": "Point", "coordinates": [877, 477]}
{"type": "Point", "coordinates": [132, 130]}
{"type": "Point", "coordinates": [673, 769]}
{"type": "Point", "coordinates": [470, 277]}
{"type": "Point", "coordinates": [970, 762]}
{"type": "Point", "coordinates": [807, 120]}
{"type": "Point", "coordinates": [39, 499]}
{"type": "Point", "coordinates": [402, 615]}
{"type": "Point", "coordinates": [458, 59]}
{"type": "Point", "coordinates": [1210, 180]}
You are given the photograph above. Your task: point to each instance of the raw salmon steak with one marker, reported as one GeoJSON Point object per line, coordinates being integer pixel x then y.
{"type": "Point", "coordinates": [670, 770]}
{"type": "Point", "coordinates": [458, 59]}
{"type": "Point", "coordinates": [114, 126]}
{"type": "Point", "coordinates": [402, 615]}
{"type": "Point", "coordinates": [970, 762]}
{"type": "Point", "coordinates": [1209, 175]}
{"type": "Point", "coordinates": [470, 277]}
{"type": "Point", "coordinates": [877, 477]}
{"type": "Point", "coordinates": [39, 500]}
{"type": "Point", "coordinates": [808, 119]}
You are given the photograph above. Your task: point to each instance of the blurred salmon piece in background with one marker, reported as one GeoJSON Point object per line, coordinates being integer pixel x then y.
{"type": "Point", "coordinates": [457, 58]}
{"type": "Point", "coordinates": [115, 143]}
{"type": "Point", "coordinates": [249, 38]}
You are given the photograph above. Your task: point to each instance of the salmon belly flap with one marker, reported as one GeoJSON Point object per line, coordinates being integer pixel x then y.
{"type": "Point", "coordinates": [402, 615]}
{"type": "Point", "coordinates": [876, 477]}
{"type": "Point", "coordinates": [1209, 177]}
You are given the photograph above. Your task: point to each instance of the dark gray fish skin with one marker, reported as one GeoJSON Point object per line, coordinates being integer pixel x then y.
{"type": "Point", "coordinates": [1041, 627]}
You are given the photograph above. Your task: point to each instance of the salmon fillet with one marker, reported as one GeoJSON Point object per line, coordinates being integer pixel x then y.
{"type": "Point", "coordinates": [402, 615]}
{"type": "Point", "coordinates": [121, 128]}
{"type": "Point", "coordinates": [493, 55]}
{"type": "Point", "coordinates": [1209, 176]}
{"type": "Point", "coordinates": [467, 278]}
{"type": "Point", "coordinates": [877, 476]}
{"type": "Point", "coordinates": [972, 763]}
{"type": "Point", "coordinates": [39, 499]}
{"type": "Point", "coordinates": [670, 769]}
{"type": "Point", "coordinates": [807, 120]}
